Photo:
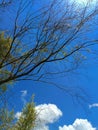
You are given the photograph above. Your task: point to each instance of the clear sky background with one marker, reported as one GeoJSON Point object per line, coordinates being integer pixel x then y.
{"type": "Point", "coordinates": [61, 108]}
{"type": "Point", "coordinates": [72, 110]}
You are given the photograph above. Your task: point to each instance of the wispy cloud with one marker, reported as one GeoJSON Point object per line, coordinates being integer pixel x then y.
{"type": "Point", "coordinates": [23, 95]}
{"type": "Point", "coordinates": [93, 105]}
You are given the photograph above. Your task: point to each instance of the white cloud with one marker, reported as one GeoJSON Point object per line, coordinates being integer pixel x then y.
{"type": "Point", "coordinates": [50, 113]}
{"type": "Point", "coordinates": [79, 124]}
{"type": "Point", "coordinates": [93, 105]}
{"type": "Point", "coordinates": [47, 113]}
{"type": "Point", "coordinates": [17, 115]}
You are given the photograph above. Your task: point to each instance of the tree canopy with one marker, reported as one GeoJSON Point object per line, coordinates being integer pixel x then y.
{"type": "Point", "coordinates": [48, 35]}
{"type": "Point", "coordinates": [32, 38]}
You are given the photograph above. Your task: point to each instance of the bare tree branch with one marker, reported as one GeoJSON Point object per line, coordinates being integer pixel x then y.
{"type": "Point", "coordinates": [48, 35]}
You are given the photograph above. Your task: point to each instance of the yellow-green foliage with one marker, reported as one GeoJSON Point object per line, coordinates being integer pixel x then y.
{"type": "Point", "coordinates": [6, 119]}
{"type": "Point", "coordinates": [5, 43]}
{"type": "Point", "coordinates": [25, 122]}
{"type": "Point", "coordinates": [27, 118]}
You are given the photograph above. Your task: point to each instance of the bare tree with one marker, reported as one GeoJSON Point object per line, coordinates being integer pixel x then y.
{"type": "Point", "coordinates": [56, 32]}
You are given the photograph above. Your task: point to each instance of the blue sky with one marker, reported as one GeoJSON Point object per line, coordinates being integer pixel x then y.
{"type": "Point", "coordinates": [62, 109]}
{"type": "Point", "coordinates": [47, 94]}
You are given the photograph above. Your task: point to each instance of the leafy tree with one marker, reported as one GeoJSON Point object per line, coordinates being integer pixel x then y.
{"type": "Point", "coordinates": [48, 35]}
{"type": "Point", "coordinates": [27, 119]}
{"type": "Point", "coordinates": [6, 119]}
{"type": "Point", "coordinates": [32, 39]}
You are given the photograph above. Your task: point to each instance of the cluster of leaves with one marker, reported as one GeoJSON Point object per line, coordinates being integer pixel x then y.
{"type": "Point", "coordinates": [5, 43]}
{"type": "Point", "coordinates": [6, 119]}
{"type": "Point", "coordinates": [48, 35]}
{"type": "Point", "coordinates": [27, 119]}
